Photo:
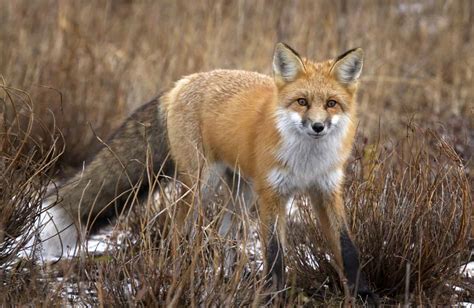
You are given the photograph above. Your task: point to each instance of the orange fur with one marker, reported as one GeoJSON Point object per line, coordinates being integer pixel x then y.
{"type": "Point", "coordinates": [240, 119]}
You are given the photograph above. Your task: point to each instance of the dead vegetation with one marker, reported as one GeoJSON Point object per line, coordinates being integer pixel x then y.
{"type": "Point", "coordinates": [83, 66]}
{"type": "Point", "coordinates": [409, 208]}
{"type": "Point", "coordinates": [26, 169]}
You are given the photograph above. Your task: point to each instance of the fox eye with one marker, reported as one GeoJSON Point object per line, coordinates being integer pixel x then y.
{"type": "Point", "coordinates": [331, 103]}
{"type": "Point", "coordinates": [302, 102]}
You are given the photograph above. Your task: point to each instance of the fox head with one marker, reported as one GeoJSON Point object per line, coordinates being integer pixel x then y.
{"type": "Point", "coordinates": [315, 99]}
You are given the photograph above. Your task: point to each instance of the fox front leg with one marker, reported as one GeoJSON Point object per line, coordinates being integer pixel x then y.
{"type": "Point", "coordinates": [272, 226]}
{"type": "Point", "coordinates": [330, 211]}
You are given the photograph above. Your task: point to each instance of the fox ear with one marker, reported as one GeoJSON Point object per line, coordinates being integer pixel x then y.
{"type": "Point", "coordinates": [348, 66]}
{"type": "Point", "coordinates": [287, 64]}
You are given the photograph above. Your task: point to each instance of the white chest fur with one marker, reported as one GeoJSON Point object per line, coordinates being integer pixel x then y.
{"type": "Point", "coordinates": [307, 162]}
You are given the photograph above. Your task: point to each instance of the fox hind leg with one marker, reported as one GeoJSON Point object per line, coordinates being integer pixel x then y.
{"type": "Point", "coordinates": [238, 197]}
{"type": "Point", "coordinates": [200, 185]}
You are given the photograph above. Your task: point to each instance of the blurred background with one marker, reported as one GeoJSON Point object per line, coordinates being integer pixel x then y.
{"type": "Point", "coordinates": [87, 64]}
{"type": "Point", "coordinates": [72, 71]}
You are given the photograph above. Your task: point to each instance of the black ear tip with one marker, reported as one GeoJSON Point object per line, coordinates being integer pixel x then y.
{"type": "Point", "coordinates": [358, 51]}
{"type": "Point", "coordinates": [282, 46]}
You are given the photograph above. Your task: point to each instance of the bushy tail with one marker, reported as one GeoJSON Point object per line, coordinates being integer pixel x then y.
{"type": "Point", "coordinates": [120, 167]}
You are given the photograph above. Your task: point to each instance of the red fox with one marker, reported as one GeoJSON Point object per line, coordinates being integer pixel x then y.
{"type": "Point", "coordinates": [286, 134]}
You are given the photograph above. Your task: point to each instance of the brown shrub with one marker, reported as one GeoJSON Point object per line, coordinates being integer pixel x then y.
{"type": "Point", "coordinates": [409, 205]}
{"type": "Point", "coordinates": [25, 169]}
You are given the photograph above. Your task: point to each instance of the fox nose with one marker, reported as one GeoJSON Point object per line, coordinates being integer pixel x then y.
{"type": "Point", "coordinates": [318, 127]}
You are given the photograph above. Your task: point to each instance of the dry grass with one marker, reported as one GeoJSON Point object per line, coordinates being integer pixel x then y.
{"type": "Point", "coordinates": [25, 168]}
{"type": "Point", "coordinates": [86, 65]}
{"type": "Point", "coordinates": [409, 206]}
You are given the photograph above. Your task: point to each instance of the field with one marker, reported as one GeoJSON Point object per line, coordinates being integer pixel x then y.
{"type": "Point", "coordinates": [72, 71]}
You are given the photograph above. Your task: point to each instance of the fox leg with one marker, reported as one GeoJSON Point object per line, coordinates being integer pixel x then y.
{"type": "Point", "coordinates": [238, 197]}
{"type": "Point", "coordinates": [199, 187]}
{"type": "Point", "coordinates": [271, 208]}
{"type": "Point", "coordinates": [227, 227]}
{"type": "Point", "coordinates": [329, 208]}
{"type": "Point", "coordinates": [185, 201]}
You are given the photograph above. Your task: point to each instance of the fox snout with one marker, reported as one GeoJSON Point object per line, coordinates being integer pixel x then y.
{"type": "Point", "coordinates": [318, 127]}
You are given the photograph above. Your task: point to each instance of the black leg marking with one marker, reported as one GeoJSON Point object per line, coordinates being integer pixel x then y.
{"type": "Point", "coordinates": [275, 261]}
{"type": "Point", "coordinates": [350, 259]}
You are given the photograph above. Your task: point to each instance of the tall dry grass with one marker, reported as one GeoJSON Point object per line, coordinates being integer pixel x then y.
{"type": "Point", "coordinates": [106, 58]}
{"type": "Point", "coordinates": [87, 65]}
{"type": "Point", "coordinates": [25, 167]}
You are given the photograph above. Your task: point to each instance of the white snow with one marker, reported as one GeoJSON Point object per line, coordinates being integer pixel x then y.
{"type": "Point", "coordinates": [468, 269]}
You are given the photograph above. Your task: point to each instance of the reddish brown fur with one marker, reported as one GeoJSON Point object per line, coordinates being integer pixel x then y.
{"type": "Point", "coordinates": [228, 117]}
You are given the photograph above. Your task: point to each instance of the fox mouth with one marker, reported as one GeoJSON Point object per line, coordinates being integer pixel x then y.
{"type": "Point", "coordinates": [316, 136]}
